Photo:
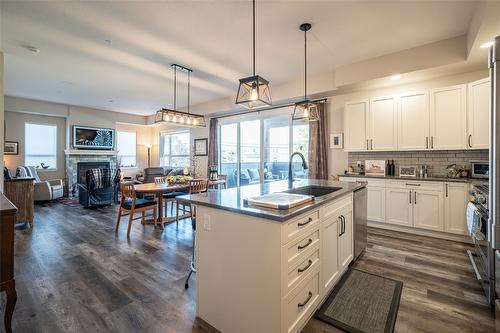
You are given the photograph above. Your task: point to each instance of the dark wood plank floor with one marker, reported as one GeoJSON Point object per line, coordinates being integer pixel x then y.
{"type": "Point", "coordinates": [74, 274]}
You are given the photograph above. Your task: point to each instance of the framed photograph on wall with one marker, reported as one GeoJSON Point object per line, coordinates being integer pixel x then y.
{"type": "Point", "coordinates": [11, 148]}
{"type": "Point", "coordinates": [336, 141]}
{"type": "Point", "coordinates": [201, 147]}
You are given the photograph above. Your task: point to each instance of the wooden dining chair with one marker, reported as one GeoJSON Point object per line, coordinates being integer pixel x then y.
{"type": "Point", "coordinates": [129, 205]}
{"type": "Point", "coordinates": [195, 186]}
{"type": "Point", "coordinates": [224, 178]}
{"type": "Point", "coordinates": [166, 197]}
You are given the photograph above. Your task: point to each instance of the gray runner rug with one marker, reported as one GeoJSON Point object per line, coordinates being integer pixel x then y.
{"type": "Point", "coordinates": [362, 303]}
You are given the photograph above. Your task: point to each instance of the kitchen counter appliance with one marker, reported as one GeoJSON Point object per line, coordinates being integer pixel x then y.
{"type": "Point", "coordinates": [480, 169]}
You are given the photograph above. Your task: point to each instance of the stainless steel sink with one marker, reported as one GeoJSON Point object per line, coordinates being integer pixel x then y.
{"type": "Point", "coordinates": [315, 191]}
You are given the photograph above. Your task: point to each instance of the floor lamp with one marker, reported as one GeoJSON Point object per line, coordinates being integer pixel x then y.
{"type": "Point", "coordinates": [149, 155]}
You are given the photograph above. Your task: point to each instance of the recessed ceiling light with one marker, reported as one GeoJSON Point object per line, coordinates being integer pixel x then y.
{"type": "Point", "coordinates": [395, 77]}
{"type": "Point", "coordinates": [32, 49]}
{"type": "Point", "coordinates": [487, 45]}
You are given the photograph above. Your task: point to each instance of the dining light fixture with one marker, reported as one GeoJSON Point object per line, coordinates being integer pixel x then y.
{"type": "Point", "coordinates": [253, 91]}
{"type": "Point", "coordinates": [306, 109]}
{"type": "Point", "coordinates": [180, 118]}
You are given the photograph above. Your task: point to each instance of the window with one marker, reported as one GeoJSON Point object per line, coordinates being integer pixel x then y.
{"type": "Point", "coordinates": [253, 151]}
{"type": "Point", "coordinates": [126, 144]}
{"type": "Point", "coordinates": [175, 149]}
{"type": "Point", "coordinates": [40, 145]}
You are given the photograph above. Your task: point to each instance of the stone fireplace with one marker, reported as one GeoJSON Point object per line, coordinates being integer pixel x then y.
{"type": "Point", "coordinates": [86, 159]}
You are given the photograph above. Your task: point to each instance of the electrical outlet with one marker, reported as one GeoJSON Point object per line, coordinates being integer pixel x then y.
{"type": "Point", "coordinates": [206, 223]}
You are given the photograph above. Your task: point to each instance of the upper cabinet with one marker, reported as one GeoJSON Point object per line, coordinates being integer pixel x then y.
{"type": "Point", "coordinates": [413, 121]}
{"type": "Point", "coordinates": [382, 124]}
{"type": "Point", "coordinates": [355, 120]}
{"type": "Point", "coordinates": [478, 113]}
{"type": "Point", "coordinates": [448, 118]}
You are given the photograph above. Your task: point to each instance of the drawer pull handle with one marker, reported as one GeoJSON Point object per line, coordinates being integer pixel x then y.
{"type": "Point", "coordinates": [300, 270]}
{"type": "Point", "coordinates": [301, 224]}
{"type": "Point", "coordinates": [409, 184]}
{"type": "Point", "coordinates": [300, 305]}
{"type": "Point", "coordinates": [301, 247]}
{"type": "Point", "coordinates": [470, 142]}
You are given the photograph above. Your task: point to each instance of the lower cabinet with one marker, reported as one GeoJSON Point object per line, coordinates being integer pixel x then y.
{"type": "Point", "coordinates": [455, 205]}
{"type": "Point", "coordinates": [376, 204]}
{"type": "Point", "coordinates": [346, 244]}
{"type": "Point", "coordinates": [399, 206]}
{"type": "Point", "coordinates": [428, 210]}
{"type": "Point", "coordinates": [330, 263]}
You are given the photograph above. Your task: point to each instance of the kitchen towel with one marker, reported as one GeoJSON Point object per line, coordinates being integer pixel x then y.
{"type": "Point", "coordinates": [473, 220]}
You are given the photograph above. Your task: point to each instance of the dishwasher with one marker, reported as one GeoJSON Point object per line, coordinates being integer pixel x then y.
{"type": "Point", "coordinates": [360, 221]}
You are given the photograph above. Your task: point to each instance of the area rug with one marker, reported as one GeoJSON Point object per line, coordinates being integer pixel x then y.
{"type": "Point", "coordinates": [362, 303]}
{"type": "Point", "coordinates": [72, 202]}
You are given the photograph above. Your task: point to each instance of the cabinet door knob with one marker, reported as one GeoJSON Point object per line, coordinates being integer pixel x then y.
{"type": "Point", "coordinates": [446, 189]}
{"type": "Point", "coordinates": [301, 224]}
{"type": "Point", "coordinates": [426, 142]}
{"type": "Point", "coordinates": [301, 247]}
{"type": "Point", "coordinates": [415, 201]}
{"type": "Point", "coordinates": [470, 140]}
{"type": "Point", "coordinates": [300, 270]}
{"type": "Point", "coordinates": [306, 300]}
{"type": "Point", "coordinates": [432, 142]}
{"type": "Point", "coordinates": [410, 197]}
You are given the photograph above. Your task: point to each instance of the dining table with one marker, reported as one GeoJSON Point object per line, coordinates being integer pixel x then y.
{"type": "Point", "coordinates": [158, 189]}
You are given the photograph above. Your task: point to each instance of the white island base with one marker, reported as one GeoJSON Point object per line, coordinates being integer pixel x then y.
{"type": "Point", "coordinates": [260, 275]}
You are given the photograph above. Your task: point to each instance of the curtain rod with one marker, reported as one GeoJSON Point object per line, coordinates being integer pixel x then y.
{"type": "Point", "coordinates": [322, 100]}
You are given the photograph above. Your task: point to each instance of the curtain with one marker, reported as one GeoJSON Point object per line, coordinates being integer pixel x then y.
{"type": "Point", "coordinates": [318, 161]}
{"type": "Point", "coordinates": [213, 153]}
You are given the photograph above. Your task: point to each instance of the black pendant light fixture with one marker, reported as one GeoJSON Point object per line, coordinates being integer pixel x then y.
{"type": "Point", "coordinates": [305, 110]}
{"type": "Point", "coordinates": [253, 91]}
{"type": "Point", "coordinates": [180, 118]}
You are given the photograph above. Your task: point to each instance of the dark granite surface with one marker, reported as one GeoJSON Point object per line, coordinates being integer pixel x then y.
{"type": "Point", "coordinates": [232, 199]}
{"type": "Point", "coordinates": [429, 179]}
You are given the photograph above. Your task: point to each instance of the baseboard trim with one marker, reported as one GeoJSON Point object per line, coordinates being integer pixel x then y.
{"type": "Point", "coordinates": [421, 232]}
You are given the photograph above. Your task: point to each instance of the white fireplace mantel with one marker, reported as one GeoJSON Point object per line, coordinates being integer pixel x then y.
{"type": "Point", "coordinates": [90, 152]}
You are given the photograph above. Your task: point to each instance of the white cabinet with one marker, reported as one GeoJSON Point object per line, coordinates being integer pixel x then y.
{"type": "Point", "coordinates": [382, 124]}
{"type": "Point", "coordinates": [346, 244]}
{"type": "Point", "coordinates": [478, 113]}
{"type": "Point", "coordinates": [448, 118]}
{"type": "Point", "coordinates": [355, 120]}
{"type": "Point", "coordinates": [428, 210]}
{"type": "Point", "coordinates": [330, 245]}
{"type": "Point", "coordinates": [455, 205]}
{"type": "Point", "coordinates": [413, 121]}
{"type": "Point", "coordinates": [376, 203]}
{"type": "Point", "coordinates": [399, 206]}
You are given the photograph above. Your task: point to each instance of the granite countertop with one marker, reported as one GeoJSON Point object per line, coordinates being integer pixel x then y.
{"type": "Point", "coordinates": [430, 179]}
{"type": "Point", "coordinates": [6, 207]}
{"type": "Point", "coordinates": [231, 199]}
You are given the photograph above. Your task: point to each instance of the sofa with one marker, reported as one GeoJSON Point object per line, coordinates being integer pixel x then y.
{"type": "Point", "coordinates": [100, 188]}
{"type": "Point", "coordinates": [45, 190]}
{"type": "Point", "coordinates": [252, 176]}
{"type": "Point", "coordinates": [151, 173]}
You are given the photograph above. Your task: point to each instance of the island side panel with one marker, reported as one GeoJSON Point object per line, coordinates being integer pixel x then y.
{"type": "Point", "coordinates": [238, 271]}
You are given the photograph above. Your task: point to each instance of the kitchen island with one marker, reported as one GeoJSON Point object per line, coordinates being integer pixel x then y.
{"type": "Point", "coordinates": [267, 270]}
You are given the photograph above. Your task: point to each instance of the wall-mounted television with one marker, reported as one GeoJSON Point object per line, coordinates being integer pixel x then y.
{"type": "Point", "coordinates": [85, 137]}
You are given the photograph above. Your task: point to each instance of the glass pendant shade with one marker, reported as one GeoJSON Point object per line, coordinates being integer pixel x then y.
{"type": "Point", "coordinates": [306, 110]}
{"type": "Point", "coordinates": [253, 92]}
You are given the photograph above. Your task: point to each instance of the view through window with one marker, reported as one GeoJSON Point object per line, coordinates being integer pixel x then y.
{"type": "Point", "coordinates": [40, 145]}
{"type": "Point", "coordinates": [126, 144]}
{"type": "Point", "coordinates": [175, 149]}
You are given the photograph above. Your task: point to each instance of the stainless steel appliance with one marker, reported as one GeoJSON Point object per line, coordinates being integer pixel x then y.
{"type": "Point", "coordinates": [360, 221]}
{"type": "Point", "coordinates": [483, 255]}
{"type": "Point", "coordinates": [480, 169]}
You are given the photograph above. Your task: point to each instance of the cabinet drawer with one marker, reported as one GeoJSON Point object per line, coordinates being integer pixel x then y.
{"type": "Point", "coordinates": [294, 251]}
{"type": "Point", "coordinates": [300, 304]}
{"type": "Point", "coordinates": [373, 182]}
{"type": "Point", "coordinates": [332, 208]}
{"type": "Point", "coordinates": [416, 185]}
{"type": "Point", "coordinates": [297, 227]}
{"type": "Point", "coordinates": [296, 271]}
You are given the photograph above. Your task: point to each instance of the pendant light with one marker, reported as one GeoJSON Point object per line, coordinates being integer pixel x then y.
{"type": "Point", "coordinates": [305, 110]}
{"type": "Point", "coordinates": [180, 118]}
{"type": "Point", "coordinates": [253, 91]}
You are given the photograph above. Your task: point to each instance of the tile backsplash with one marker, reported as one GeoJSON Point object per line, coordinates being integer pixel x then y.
{"type": "Point", "coordinates": [436, 160]}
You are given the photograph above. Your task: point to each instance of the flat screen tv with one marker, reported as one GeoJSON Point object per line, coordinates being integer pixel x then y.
{"type": "Point", "coordinates": [85, 137]}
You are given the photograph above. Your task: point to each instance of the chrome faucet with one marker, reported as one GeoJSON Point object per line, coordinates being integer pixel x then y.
{"type": "Point", "coordinates": [290, 174]}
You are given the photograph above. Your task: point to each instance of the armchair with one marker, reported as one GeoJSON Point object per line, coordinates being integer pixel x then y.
{"type": "Point", "coordinates": [101, 187]}
{"type": "Point", "coordinates": [45, 190]}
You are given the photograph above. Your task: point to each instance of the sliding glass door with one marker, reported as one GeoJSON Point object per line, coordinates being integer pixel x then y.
{"type": "Point", "coordinates": [258, 150]}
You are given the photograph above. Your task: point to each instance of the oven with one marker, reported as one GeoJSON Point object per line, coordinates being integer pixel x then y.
{"type": "Point", "coordinates": [482, 256]}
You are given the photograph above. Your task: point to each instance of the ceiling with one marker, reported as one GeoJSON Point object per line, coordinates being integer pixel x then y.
{"type": "Point", "coordinates": [117, 55]}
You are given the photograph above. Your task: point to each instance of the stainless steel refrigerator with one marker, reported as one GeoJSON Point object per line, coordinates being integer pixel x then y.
{"type": "Point", "coordinates": [494, 180]}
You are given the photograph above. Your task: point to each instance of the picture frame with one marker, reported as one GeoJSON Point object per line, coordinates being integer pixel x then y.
{"type": "Point", "coordinates": [337, 141]}
{"type": "Point", "coordinates": [375, 168]}
{"type": "Point", "coordinates": [11, 148]}
{"type": "Point", "coordinates": [201, 147]}
{"type": "Point", "coordinates": [408, 171]}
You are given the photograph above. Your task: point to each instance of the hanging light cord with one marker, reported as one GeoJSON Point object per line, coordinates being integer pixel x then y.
{"type": "Point", "coordinates": [305, 65]}
{"type": "Point", "coordinates": [253, 35]}
{"type": "Point", "coordinates": [189, 86]}
{"type": "Point", "coordinates": [175, 88]}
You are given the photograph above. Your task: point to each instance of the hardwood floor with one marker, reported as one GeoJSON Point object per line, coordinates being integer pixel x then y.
{"type": "Point", "coordinates": [74, 274]}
